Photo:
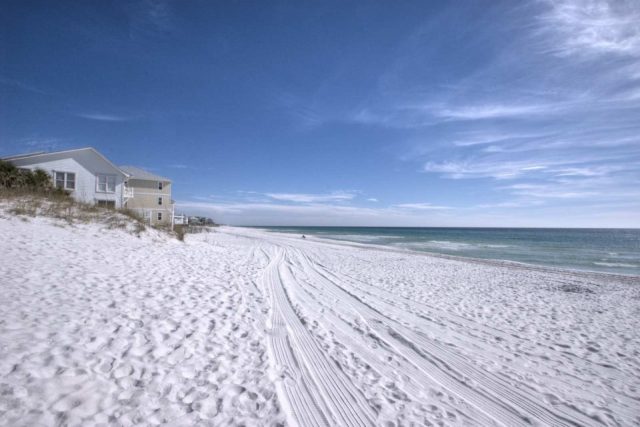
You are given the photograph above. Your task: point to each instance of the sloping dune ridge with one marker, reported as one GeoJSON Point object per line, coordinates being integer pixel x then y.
{"type": "Point", "coordinates": [248, 327]}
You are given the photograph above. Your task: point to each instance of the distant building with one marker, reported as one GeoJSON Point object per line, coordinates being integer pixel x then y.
{"type": "Point", "coordinates": [90, 177]}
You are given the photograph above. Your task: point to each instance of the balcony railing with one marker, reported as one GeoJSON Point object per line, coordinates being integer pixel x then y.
{"type": "Point", "coordinates": [127, 193]}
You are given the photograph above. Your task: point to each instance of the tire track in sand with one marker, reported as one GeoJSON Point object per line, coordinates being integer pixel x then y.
{"type": "Point", "coordinates": [504, 403]}
{"type": "Point", "coordinates": [312, 389]}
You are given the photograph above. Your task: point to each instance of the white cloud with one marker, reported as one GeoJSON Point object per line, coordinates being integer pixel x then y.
{"type": "Point", "coordinates": [373, 199]}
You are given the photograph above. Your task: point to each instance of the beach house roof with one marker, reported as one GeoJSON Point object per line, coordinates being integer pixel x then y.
{"type": "Point", "coordinates": [137, 173]}
{"type": "Point", "coordinates": [82, 152]}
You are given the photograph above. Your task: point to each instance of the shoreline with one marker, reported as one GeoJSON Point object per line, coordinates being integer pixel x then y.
{"type": "Point", "coordinates": [498, 261]}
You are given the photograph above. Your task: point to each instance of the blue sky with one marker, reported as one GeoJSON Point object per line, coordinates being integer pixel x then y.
{"type": "Point", "coordinates": [342, 113]}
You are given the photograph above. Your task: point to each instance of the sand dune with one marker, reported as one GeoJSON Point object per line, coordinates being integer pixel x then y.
{"type": "Point", "coordinates": [242, 326]}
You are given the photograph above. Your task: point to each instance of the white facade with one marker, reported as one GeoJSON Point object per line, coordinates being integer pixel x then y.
{"type": "Point", "coordinates": [96, 180]}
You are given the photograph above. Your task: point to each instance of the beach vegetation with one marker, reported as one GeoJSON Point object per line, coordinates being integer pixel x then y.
{"type": "Point", "coordinates": [16, 180]}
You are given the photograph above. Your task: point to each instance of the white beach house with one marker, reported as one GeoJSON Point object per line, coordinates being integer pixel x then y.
{"type": "Point", "coordinates": [85, 173]}
{"type": "Point", "coordinates": [90, 177]}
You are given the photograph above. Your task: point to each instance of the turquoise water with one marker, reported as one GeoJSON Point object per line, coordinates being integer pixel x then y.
{"type": "Point", "coordinates": [607, 250]}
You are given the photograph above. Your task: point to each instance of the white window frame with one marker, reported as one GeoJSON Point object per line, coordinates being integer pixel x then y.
{"type": "Point", "coordinates": [159, 216]}
{"type": "Point", "coordinates": [159, 201]}
{"type": "Point", "coordinates": [107, 178]}
{"type": "Point", "coordinates": [160, 185]}
{"type": "Point", "coordinates": [65, 180]}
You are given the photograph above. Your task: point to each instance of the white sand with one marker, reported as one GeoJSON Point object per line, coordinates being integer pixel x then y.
{"type": "Point", "coordinates": [240, 326]}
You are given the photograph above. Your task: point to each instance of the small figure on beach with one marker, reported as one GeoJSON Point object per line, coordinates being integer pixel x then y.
{"type": "Point", "coordinates": [304, 237]}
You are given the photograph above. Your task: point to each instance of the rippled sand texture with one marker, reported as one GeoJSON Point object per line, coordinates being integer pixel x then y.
{"type": "Point", "coordinates": [242, 326]}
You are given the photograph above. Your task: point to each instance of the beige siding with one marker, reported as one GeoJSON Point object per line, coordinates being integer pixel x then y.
{"type": "Point", "coordinates": [145, 200]}
{"type": "Point", "coordinates": [150, 186]}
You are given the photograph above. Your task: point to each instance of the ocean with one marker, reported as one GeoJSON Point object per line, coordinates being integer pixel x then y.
{"type": "Point", "coordinates": [604, 250]}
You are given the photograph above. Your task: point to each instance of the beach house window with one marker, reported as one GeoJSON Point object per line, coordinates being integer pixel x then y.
{"type": "Point", "coordinates": [107, 203]}
{"type": "Point", "coordinates": [159, 216]}
{"type": "Point", "coordinates": [65, 180]}
{"type": "Point", "coordinates": [107, 183]}
{"type": "Point", "coordinates": [159, 185]}
{"type": "Point", "coordinates": [159, 200]}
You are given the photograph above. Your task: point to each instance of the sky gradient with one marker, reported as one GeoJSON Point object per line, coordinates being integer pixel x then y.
{"type": "Point", "coordinates": [342, 113]}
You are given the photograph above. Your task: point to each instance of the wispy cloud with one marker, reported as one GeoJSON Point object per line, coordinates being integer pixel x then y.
{"type": "Point", "coordinates": [250, 213]}
{"type": "Point", "coordinates": [149, 18]}
{"type": "Point", "coordinates": [501, 168]}
{"type": "Point", "coordinates": [546, 191]}
{"type": "Point", "coordinates": [102, 117]}
{"type": "Point", "coordinates": [543, 122]}
{"type": "Point", "coordinates": [421, 206]}
{"type": "Point", "coordinates": [490, 214]}
{"type": "Point", "coordinates": [492, 111]}
{"type": "Point", "coordinates": [389, 117]}
{"type": "Point", "coordinates": [484, 168]}
{"type": "Point", "coordinates": [415, 117]}
{"type": "Point", "coordinates": [301, 111]}
{"type": "Point", "coordinates": [592, 27]}
{"type": "Point", "coordinates": [571, 136]}
{"type": "Point", "coordinates": [335, 208]}
{"type": "Point", "coordinates": [338, 196]}
{"type": "Point", "coordinates": [593, 170]}
{"type": "Point", "coordinates": [471, 138]}
{"type": "Point", "coordinates": [22, 85]}
{"type": "Point", "coordinates": [32, 144]}
{"type": "Point", "coordinates": [37, 143]}
{"type": "Point", "coordinates": [511, 204]}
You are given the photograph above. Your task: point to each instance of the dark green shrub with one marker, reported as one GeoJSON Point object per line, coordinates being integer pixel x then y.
{"type": "Point", "coordinates": [25, 180]}
{"type": "Point", "coordinates": [8, 174]}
